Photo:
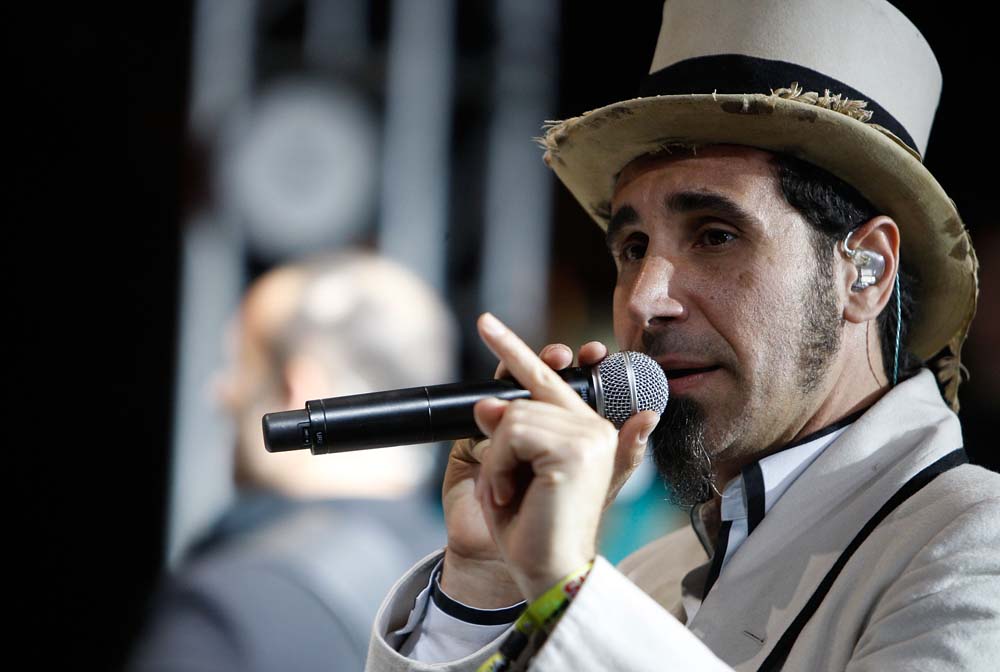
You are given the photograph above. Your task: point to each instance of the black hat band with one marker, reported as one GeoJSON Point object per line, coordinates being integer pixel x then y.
{"type": "Point", "coordinates": [737, 73]}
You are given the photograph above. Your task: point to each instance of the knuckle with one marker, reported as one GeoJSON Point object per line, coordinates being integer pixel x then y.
{"type": "Point", "coordinates": [598, 443]}
{"type": "Point", "coordinates": [602, 430]}
{"type": "Point", "coordinates": [478, 450]}
{"type": "Point", "coordinates": [576, 451]}
{"type": "Point", "coordinates": [462, 448]}
{"type": "Point", "coordinates": [469, 450]}
{"type": "Point", "coordinates": [539, 375]}
{"type": "Point", "coordinates": [514, 412]}
{"type": "Point", "coordinates": [516, 432]}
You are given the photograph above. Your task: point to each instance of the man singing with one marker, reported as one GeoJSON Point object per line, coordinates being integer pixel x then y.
{"type": "Point", "coordinates": [806, 285]}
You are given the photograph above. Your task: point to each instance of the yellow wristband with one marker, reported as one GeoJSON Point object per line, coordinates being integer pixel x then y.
{"type": "Point", "coordinates": [533, 625]}
{"type": "Point", "coordinates": [555, 598]}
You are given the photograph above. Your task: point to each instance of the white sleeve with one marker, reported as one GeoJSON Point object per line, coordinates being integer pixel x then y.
{"type": "Point", "coordinates": [442, 629]}
{"type": "Point", "coordinates": [612, 624]}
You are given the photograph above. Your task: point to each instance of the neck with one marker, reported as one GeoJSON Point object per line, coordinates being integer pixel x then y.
{"type": "Point", "coordinates": [854, 383]}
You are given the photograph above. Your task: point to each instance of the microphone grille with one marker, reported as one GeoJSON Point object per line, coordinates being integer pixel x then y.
{"type": "Point", "coordinates": [631, 382]}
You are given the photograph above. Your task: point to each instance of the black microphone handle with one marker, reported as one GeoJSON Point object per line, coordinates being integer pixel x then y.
{"type": "Point", "coordinates": [399, 417]}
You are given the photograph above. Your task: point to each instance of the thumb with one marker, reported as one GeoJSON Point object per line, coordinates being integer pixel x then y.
{"type": "Point", "coordinates": [636, 430]}
{"type": "Point", "coordinates": [632, 440]}
{"type": "Point", "coordinates": [633, 437]}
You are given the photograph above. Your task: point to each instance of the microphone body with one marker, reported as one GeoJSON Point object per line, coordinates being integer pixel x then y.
{"type": "Point", "coordinates": [618, 387]}
{"type": "Point", "coordinates": [398, 417]}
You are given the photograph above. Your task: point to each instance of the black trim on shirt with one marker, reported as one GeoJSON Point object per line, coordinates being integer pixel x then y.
{"type": "Point", "coordinates": [464, 612]}
{"type": "Point", "coordinates": [829, 429]}
{"type": "Point", "coordinates": [753, 488]}
{"type": "Point", "coordinates": [720, 553]}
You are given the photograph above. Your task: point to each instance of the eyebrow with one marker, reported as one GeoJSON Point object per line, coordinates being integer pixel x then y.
{"type": "Point", "coordinates": [624, 216]}
{"type": "Point", "coordinates": [684, 202]}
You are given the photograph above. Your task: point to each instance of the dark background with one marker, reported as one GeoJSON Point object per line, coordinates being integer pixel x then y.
{"type": "Point", "coordinates": [106, 174]}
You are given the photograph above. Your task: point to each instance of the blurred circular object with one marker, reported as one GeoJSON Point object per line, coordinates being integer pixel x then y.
{"type": "Point", "coordinates": [298, 168]}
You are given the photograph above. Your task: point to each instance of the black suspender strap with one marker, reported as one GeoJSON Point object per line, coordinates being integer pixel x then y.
{"type": "Point", "coordinates": [721, 546]}
{"type": "Point", "coordinates": [779, 653]}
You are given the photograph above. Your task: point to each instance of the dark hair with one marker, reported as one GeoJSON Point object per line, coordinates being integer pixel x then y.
{"type": "Point", "coordinates": [834, 208]}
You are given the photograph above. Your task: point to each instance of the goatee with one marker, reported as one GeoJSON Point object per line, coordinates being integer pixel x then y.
{"type": "Point", "coordinates": [680, 454]}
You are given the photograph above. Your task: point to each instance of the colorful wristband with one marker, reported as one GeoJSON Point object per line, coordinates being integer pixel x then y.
{"type": "Point", "coordinates": [537, 621]}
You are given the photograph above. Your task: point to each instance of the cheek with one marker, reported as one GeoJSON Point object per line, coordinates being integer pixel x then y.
{"type": "Point", "coordinates": [741, 307]}
{"type": "Point", "coordinates": [771, 312]}
{"type": "Point", "coordinates": [728, 296]}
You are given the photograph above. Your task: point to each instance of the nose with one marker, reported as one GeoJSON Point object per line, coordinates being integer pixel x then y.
{"type": "Point", "coordinates": [647, 294]}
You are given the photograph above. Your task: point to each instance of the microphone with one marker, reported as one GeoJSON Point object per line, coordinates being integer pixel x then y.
{"type": "Point", "coordinates": [618, 387]}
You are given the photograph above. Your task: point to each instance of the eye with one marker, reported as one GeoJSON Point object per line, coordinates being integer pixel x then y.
{"type": "Point", "coordinates": [715, 238]}
{"type": "Point", "coordinates": [633, 249]}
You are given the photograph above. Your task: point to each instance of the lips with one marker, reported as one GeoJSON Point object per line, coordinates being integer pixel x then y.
{"type": "Point", "coordinates": [687, 371]}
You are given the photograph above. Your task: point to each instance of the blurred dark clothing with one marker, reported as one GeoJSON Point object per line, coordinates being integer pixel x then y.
{"type": "Point", "coordinates": [279, 584]}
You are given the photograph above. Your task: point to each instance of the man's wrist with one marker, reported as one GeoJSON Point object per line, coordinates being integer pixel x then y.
{"type": "Point", "coordinates": [482, 584]}
{"type": "Point", "coordinates": [534, 585]}
{"type": "Point", "coordinates": [535, 624]}
{"type": "Point", "coordinates": [545, 609]}
{"type": "Point", "coordinates": [473, 615]}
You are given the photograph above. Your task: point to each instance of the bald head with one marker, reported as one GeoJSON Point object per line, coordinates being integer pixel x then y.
{"type": "Point", "coordinates": [342, 324]}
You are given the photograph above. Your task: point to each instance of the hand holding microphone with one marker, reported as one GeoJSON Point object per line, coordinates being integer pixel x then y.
{"type": "Point", "coordinates": [545, 525]}
{"type": "Point", "coordinates": [474, 570]}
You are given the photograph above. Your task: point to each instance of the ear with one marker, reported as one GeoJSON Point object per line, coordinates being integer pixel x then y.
{"type": "Point", "coordinates": [304, 377]}
{"type": "Point", "coordinates": [224, 391]}
{"type": "Point", "coordinates": [880, 235]}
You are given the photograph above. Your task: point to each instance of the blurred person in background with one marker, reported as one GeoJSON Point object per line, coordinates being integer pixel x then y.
{"type": "Point", "coordinates": [290, 576]}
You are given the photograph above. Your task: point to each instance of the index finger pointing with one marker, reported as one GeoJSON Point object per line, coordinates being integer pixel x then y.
{"type": "Point", "coordinates": [526, 367]}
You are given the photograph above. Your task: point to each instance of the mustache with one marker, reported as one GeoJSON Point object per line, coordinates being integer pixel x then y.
{"type": "Point", "coordinates": [661, 342]}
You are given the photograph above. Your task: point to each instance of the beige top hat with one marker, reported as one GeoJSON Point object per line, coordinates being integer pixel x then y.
{"type": "Point", "coordinates": [850, 86]}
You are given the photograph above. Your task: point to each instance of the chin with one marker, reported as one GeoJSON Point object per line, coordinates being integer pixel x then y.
{"type": "Point", "coordinates": [725, 432]}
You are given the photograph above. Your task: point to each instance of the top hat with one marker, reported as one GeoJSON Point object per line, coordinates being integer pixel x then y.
{"type": "Point", "coordinates": [848, 86]}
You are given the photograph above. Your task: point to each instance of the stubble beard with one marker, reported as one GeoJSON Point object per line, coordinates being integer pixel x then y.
{"type": "Point", "coordinates": [681, 448]}
{"type": "Point", "coordinates": [823, 325]}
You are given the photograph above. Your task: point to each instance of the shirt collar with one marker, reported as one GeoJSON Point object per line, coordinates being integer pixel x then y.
{"type": "Point", "coordinates": [758, 487]}
{"type": "Point", "coordinates": [762, 483]}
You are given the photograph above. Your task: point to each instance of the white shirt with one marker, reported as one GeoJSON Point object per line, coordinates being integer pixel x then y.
{"type": "Point", "coordinates": [439, 636]}
{"type": "Point", "coordinates": [747, 498]}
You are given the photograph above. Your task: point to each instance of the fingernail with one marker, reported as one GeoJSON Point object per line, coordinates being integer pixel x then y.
{"type": "Point", "coordinates": [501, 494]}
{"type": "Point", "coordinates": [644, 434]}
{"type": "Point", "coordinates": [551, 348]}
{"type": "Point", "coordinates": [491, 325]}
